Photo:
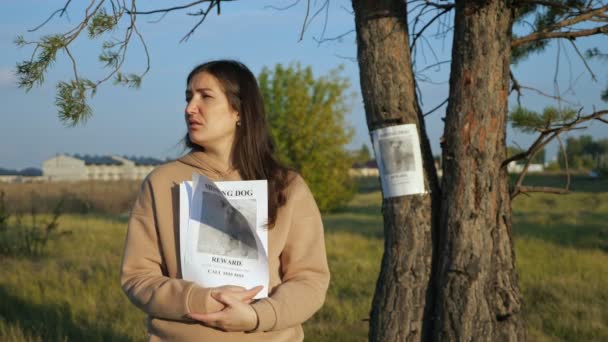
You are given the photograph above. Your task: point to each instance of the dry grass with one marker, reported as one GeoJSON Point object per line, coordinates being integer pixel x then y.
{"type": "Point", "coordinates": [72, 293]}
{"type": "Point", "coordinates": [100, 197]}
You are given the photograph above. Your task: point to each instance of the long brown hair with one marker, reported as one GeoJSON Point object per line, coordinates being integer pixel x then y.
{"type": "Point", "coordinates": [253, 151]}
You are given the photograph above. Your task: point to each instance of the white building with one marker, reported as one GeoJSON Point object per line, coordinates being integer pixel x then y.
{"type": "Point", "coordinates": [368, 169]}
{"type": "Point", "coordinates": [74, 168]}
{"type": "Point", "coordinates": [514, 167]}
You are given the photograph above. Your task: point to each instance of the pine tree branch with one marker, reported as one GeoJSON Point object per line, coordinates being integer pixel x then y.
{"type": "Point", "coordinates": [546, 136]}
{"type": "Point", "coordinates": [554, 32]}
{"type": "Point", "coordinates": [561, 34]}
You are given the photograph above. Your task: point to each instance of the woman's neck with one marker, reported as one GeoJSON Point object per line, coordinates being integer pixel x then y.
{"type": "Point", "coordinates": [221, 154]}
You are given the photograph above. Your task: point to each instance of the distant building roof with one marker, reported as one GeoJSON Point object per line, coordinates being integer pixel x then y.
{"type": "Point", "coordinates": [100, 160]}
{"type": "Point", "coordinates": [144, 161]}
{"type": "Point", "coordinates": [109, 160]}
{"type": "Point", "coordinates": [370, 164]}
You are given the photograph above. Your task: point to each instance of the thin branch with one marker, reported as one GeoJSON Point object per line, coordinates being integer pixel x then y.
{"type": "Point", "coordinates": [434, 109]}
{"type": "Point", "coordinates": [204, 13]}
{"type": "Point", "coordinates": [282, 8]}
{"type": "Point", "coordinates": [326, 7]}
{"type": "Point", "coordinates": [165, 10]}
{"type": "Point", "coordinates": [350, 59]}
{"type": "Point", "coordinates": [584, 61]}
{"type": "Point", "coordinates": [434, 65]}
{"type": "Point", "coordinates": [515, 86]}
{"type": "Point", "coordinates": [561, 147]}
{"type": "Point", "coordinates": [545, 189]}
{"type": "Point", "coordinates": [143, 43]}
{"type": "Point", "coordinates": [539, 144]}
{"type": "Point", "coordinates": [338, 37]}
{"type": "Point", "coordinates": [159, 18]}
{"type": "Point", "coordinates": [61, 12]}
{"type": "Point", "coordinates": [346, 10]}
{"type": "Point", "coordinates": [67, 51]}
{"type": "Point", "coordinates": [429, 23]}
{"type": "Point", "coordinates": [555, 83]}
{"type": "Point", "coordinates": [558, 98]}
{"type": "Point", "coordinates": [305, 20]}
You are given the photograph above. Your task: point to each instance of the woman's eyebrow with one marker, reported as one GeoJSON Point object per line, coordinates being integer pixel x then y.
{"type": "Point", "coordinates": [199, 90]}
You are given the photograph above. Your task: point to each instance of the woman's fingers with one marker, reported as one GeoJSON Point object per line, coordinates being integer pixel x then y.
{"type": "Point", "coordinates": [242, 295]}
{"type": "Point", "coordinates": [237, 316]}
{"type": "Point", "coordinates": [248, 295]}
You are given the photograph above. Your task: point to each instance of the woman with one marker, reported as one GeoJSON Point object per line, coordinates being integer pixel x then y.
{"type": "Point", "coordinates": [230, 140]}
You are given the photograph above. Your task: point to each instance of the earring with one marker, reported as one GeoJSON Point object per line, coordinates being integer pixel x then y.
{"type": "Point", "coordinates": [238, 123]}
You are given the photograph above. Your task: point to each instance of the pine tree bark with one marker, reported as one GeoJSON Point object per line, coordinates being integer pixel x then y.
{"type": "Point", "coordinates": [478, 297]}
{"type": "Point", "coordinates": [402, 302]}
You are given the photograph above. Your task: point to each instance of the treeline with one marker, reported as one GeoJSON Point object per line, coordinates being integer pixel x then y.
{"type": "Point", "coordinates": [584, 153]}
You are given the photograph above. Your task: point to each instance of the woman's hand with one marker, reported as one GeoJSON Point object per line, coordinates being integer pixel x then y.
{"type": "Point", "coordinates": [237, 314]}
{"type": "Point", "coordinates": [237, 292]}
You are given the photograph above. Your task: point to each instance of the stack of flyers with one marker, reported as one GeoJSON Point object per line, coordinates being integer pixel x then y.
{"type": "Point", "coordinates": [223, 234]}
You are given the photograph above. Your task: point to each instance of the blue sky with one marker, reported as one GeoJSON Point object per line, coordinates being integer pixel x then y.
{"type": "Point", "coordinates": [149, 121]}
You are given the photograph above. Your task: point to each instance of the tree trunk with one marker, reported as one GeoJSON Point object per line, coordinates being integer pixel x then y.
{"type": "Point", "coordinates": [478, 298]}
{"type": "Point", "coordinates": [402, 302]}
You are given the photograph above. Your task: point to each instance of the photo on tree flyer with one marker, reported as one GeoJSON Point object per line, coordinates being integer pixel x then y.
{"type": "Point", "coordinates": [397, 150]}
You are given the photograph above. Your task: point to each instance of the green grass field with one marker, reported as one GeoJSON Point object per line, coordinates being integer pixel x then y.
{"type": "Point", "coordinates": [72, 292]}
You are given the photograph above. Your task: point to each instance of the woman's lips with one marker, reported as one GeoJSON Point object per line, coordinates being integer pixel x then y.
{"type": "Point", "coordinates": [194, 125]}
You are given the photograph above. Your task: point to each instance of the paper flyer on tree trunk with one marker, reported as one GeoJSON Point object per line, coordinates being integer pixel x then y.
{"type": "Point", "coordinates": [397, 150]}
{"type": "Point", "coordinates": [223, 234]}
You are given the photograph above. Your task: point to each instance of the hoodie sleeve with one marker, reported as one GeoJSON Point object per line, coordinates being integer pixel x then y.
{"type": "Point", "coordinates": [143, 273]}
{"type": "Point", "coordinates": [303, 265]}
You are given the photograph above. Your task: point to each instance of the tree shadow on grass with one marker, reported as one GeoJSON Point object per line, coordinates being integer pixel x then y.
{"type": "Point", "coordinates": [591, 233]}
{"type": "Point", "coordinates": [51, 322]}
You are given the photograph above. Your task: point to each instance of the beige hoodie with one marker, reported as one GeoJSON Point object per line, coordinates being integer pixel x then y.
{"type": "Point", "coordinates": [151, 275]}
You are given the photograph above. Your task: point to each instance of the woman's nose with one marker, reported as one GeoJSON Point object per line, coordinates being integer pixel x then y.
{"type": "Point", "coordinates": [191, 108]}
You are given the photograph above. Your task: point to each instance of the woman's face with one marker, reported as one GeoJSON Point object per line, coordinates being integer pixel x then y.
{"type": "Point", "coordinates": [210, 119]}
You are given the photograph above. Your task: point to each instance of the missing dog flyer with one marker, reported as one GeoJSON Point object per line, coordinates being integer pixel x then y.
{"type": "Point", "coordinates": [397, 150]}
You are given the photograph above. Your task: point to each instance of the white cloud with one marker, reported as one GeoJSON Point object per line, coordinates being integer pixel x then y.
{"type": "Point", "coordinates": [7, 77]}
